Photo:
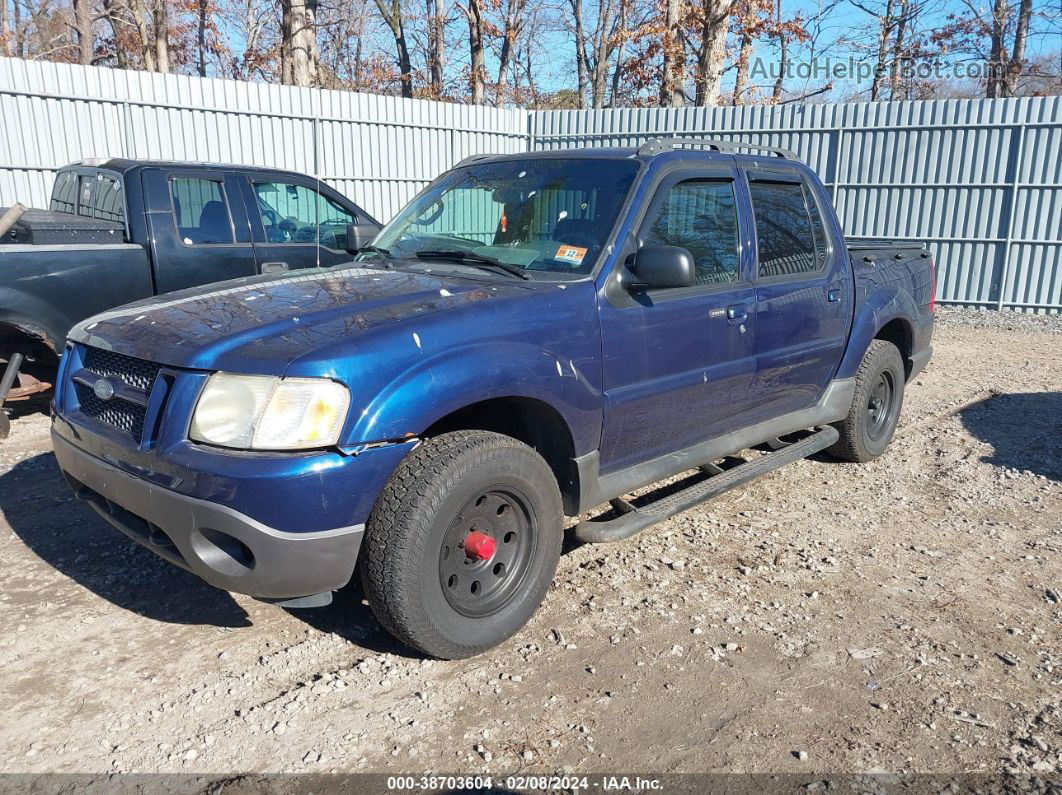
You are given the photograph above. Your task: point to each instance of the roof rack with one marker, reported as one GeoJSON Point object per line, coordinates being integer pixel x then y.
{"type": "Point", "coordinates": [656, 146]}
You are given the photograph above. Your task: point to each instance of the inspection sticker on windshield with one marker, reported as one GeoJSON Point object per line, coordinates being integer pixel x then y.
{"type": "Point", "coordinates": [572, 254]}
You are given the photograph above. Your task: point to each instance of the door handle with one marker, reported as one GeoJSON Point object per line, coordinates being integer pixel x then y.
{"type": "Point", "coordinates": [737, 312]}
{"type": "Point", "coordinates": [274, 267]}
{"type": "Point", "coordinates": [833, 296]}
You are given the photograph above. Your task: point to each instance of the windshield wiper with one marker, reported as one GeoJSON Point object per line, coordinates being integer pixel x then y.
{"type": "Point", "coordinates": [378, 250]}
{"type": "Point", "coordinates": [475, 260]}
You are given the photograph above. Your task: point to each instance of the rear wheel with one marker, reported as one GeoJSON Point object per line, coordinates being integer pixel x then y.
{"type": "Point", "coordinates": [462, 543]}
{"type": "Point", "coordinates": [876, 404]}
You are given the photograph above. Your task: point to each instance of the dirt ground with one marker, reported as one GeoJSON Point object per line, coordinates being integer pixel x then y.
{"type": "Point", "coordinates": [901, 616]}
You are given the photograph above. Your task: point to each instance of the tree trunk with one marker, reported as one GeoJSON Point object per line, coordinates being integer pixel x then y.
{"type": "Point", "coordinates": [783, 54]}
{"type": "Point", "coordinates": [477, 62]}
{"type": "Point", "coordinates": [896, 84]}
{"type": "Point", "coordinates": [83, 24]}
{"type": "Point", "coordinates": [741, 79]}
{"type": "Point", "coordinates": [714, 26]}
{"type": "Point", "coordinates": [580, 51]}
{"type": "Point", "coordinates": [1017, 56]}
{"type": "Point", "coordinates": [147, 51]}
{"type": "Point", "coordinates": [884, 29]}
{"type": "Point", "coordinates": [162, 36]}
{"type": "Point", "coordinates": [392, 15]}
{"type": "Point", "coordinates": [617, 71]}
{"type": "Point", "coordinates": [201, 37]}
{"type": "Point", "coordinates": [513, 27]}
{"type": "Point", "coordinates": [436, 46]}
{"type": "Point", "coordinates": [672, 93]}
{"type": "Point", "coordinates": [299, 43]}
{"type": "Point", "coordinates": [998, 56]}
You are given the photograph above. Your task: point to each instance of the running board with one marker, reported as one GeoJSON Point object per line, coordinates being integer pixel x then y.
{"type": "Point", "coordinates": [633, 520]}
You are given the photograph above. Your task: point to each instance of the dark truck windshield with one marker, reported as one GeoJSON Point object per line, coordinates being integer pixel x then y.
{"type": "Point", "coordinates": [549, 217]}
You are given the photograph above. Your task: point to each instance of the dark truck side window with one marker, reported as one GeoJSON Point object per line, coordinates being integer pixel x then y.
{"type": "Point", "coordinates": [790, 238]}
{"type": "Point", "coordinates": [291, 214]}
{"type": "Point", "coordinates": [64, 193]}
{"type": "Point", "coordinates": [701, 217]}
{"type": "Point", "coordinates": [109, 201]}
{"type": "Point", "coordinates": [200, 210]}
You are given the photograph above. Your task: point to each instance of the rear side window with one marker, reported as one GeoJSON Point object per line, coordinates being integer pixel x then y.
{"type": "Point", "coordinates": [701, 217]}
{"type": "Point", "coordinates": [201, 211]}
{"type": "Point", "coordinates": [64, 193]}
{"type": "Point", "coordinates": [109, 200]}
{"type": "Point", "coordinates": [790, 238]}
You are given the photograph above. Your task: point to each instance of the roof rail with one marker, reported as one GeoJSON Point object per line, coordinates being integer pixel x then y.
{"type": "Point", "coordinates": [656, 146]}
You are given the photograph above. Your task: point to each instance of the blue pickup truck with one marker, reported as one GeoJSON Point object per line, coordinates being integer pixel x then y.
{"type": "Point", "coordinates": [533, 336]}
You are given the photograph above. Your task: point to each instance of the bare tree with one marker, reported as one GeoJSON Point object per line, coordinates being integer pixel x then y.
{"type": "Point", "coordinates": [673, 72]}
{"type": "Point", "coordinates": [391, 12]}
{"type": "Point", "coordinates": [436, 21]}
{"type": "Point", "coordinates": [714, 23]}
{"type": "Point", "coordinates": [477, 77]}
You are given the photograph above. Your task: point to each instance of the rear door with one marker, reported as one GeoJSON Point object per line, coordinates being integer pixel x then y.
{"type": "Point", "coordinates": [291, 215]}
{"type": "Point", "coordinates": [678, 362]}
{"type": "Point", "coordinates": [804, 294]}
{"type": "Point", "coordinates": [200, 233]}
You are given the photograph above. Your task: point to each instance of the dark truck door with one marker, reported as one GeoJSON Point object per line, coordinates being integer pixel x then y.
{"type": "Point", "coordinates": [803, 293]}
{"type": "Point", "coordinates": [678, 362]}
{"type": "Point", "coordinates": [291, 215]}
{"type": "Point", "coordinates": [199, 228]}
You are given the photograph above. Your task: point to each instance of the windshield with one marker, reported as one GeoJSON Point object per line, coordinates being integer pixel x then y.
{"type": "Point", "coordinates": [550, 218]}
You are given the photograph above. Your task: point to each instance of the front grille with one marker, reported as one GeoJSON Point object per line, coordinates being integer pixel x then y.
{"type": "Point", "coordinates": [117, 412]}
{"type": "Point", "coordinates": [121, 414]}
{"type": "Point", "coordinates": [136, 373]}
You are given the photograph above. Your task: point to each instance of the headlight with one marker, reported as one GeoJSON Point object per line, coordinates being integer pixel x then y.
{"type": "Point", "coordinates": [266, 413]}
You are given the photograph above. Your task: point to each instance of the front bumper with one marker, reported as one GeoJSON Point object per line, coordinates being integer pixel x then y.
{"type": "Point", "coordinates": [224, 547]}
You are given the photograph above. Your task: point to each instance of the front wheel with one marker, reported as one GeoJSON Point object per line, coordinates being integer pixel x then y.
{"type": "Point", "coordinates": [876, 404]}
{"type": "Point", "coordinates": [463, 543]}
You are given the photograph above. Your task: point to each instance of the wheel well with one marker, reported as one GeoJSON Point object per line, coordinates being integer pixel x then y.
{"type": "Point", "coordinates": [534, 422]}
{"type": "Point", "coordinates": [41, 359]}
{"type": "Point", "coordinates": [898, 332]}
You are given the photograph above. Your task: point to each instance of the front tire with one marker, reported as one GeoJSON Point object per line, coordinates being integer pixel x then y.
{"type": "Point", "coordinates": [876, 404]}
{"type": "Point", "coordinates": [463, 543]}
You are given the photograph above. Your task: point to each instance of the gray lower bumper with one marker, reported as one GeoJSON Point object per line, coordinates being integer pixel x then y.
{"type": "Point", "coordinates": [224, 547]}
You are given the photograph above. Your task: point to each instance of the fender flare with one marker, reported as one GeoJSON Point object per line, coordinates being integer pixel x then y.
{"type": "Point", "coordinates": [880, 308]}
{"type": "Point", "coordinates": [435, 387]}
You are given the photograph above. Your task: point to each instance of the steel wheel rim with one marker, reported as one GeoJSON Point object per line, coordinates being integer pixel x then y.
{"type": "Point", "coordinates": [479, 588]}
{"type": "Point", "coordinates": [880, 405]}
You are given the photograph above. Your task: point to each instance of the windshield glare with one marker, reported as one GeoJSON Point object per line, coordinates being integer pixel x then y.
{"type": "Point", "coordinates": [551, 218]}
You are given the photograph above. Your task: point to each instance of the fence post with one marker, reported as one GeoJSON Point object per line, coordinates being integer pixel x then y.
{"type": "Point", "coordinates": [837, 171]}
{"type": "Point", "coordinates": [1015, 186]}
{"type": "Point", "coordinates": [127, 137]}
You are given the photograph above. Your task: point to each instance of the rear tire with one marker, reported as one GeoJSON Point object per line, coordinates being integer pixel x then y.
{"type": "Point", "coordinates": [876, 404]}
{"type": "Point", "coordinates": [463, 543]}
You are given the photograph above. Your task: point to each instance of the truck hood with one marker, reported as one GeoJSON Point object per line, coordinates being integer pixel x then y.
{"type": "Point", "coordinates": [260, 324]}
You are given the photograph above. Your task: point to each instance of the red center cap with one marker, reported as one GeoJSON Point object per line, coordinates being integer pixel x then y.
{"type": "Point", "coordinates": [480, 546]}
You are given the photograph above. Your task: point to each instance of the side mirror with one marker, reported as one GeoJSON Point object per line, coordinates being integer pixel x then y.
{"type": "Point", "coordinates": [359, 236]}
{"type": "Point", "coordinates": [662, 266]}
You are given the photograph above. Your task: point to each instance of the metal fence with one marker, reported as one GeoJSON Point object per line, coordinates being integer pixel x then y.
{"type": "Point", "coordinates": [979, 180]}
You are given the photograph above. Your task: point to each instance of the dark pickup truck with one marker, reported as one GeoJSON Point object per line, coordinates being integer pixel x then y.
{"type": "Point", "coordinates": [121, 230]}
{"type": "Point", "coordinates": [534, 335]}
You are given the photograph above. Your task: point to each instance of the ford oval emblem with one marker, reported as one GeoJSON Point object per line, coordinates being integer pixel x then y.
{"type": "Point", "coordinates": [103, 389]}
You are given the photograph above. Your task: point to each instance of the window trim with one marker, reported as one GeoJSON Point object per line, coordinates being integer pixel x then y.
{"type": "Point", "coordinates": [255, 179]}
{"type": "Point", "coordinates": [207, 177]}
{"type": "Point", "coordinates": [787, 177]}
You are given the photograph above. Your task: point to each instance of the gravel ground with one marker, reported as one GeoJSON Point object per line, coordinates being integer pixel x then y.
{"type": "Point", "coordinates": [899, 616]}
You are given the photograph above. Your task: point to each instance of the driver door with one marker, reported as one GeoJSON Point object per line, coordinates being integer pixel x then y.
{"type": "Point", "coordinates": [289, 216]}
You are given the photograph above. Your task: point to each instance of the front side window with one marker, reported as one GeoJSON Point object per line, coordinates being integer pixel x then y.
{"type": "Point", "coordinates": [787, 241]}
{"type": "Point", "coordinates": [200, 211]}
{"type": "Point", "coordinates": [701, 217]}
{"type": "Point", "coordinates": [109, 201]}
{"type": "Point", "coordinates": [293, 213]}
{"type": "Point", "coordinates": [549, 217]}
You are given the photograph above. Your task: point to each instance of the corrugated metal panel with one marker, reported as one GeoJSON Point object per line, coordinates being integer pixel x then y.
{"type": "Point", "coordinates": [979, 180]}
{"type": "Point", "coordinates": [378, 150]}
